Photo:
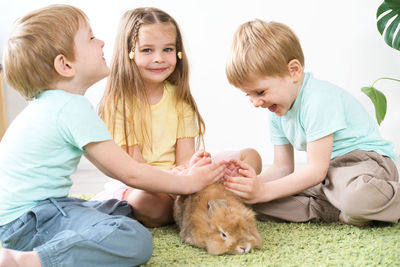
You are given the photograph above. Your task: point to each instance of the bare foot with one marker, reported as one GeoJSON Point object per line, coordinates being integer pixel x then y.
{"type": "Point", "coordinates": [14, 258]}
{"type": "Point", "coordinates": [6, 258]}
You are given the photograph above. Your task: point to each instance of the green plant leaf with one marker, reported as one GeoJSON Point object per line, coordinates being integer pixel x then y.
{"type": "Point", "coordinates": [379, 101]}
{"type": "Point", "coordinates": [388, 30]}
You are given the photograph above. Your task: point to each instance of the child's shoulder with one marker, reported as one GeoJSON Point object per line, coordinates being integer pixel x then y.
{"type": "Point", "coordinates": [316, 89]}
{"type": "Point", "coordinates": [319, 85]}
{"type": "Point", "coordinates": [60, 101]}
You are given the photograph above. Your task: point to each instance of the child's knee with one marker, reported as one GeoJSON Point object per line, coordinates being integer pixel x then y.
{"type": "Point", "coordinates": [251, 157]}
{"type": "Point", "coordinates": [139, 238]}
{"type": "Point", "coordinates": [152, 209]}
{"type": "Point", "coordinates": [366, 194]}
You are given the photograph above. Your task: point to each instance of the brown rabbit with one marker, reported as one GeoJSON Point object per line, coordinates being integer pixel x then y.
{"type": "Point", "coordinates": [217, 220]}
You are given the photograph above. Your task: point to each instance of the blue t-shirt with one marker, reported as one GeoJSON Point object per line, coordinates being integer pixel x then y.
{"type": "Point", "coordinates": [321, 109]}
{"type": "Point", "coordinates": [42, 148]}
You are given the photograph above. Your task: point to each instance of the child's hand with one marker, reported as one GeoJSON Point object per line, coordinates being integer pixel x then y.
{"type": "Point", "coordinates": [246, 185]}
{"type": "Point", "coordinates": [198, 156]}
{"type": "Point", "coordinates": [233, 166]}
{"type": "Point", "coordinates": [204, 173]}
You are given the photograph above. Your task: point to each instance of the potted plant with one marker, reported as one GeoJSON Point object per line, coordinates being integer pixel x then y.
{"type": "Point", "coordinates": [388, 20]}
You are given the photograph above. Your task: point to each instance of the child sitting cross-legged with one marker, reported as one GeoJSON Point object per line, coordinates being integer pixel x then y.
{"type": "Point", "coordinates": [350, 173]}
{"type": "Point", "coordinates": [149, 109]}
{"type": "Point", "coordinates": [51, 59]}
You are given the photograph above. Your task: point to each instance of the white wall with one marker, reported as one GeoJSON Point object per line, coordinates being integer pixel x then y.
{"type": "Point", "coordinates": [339, 38]}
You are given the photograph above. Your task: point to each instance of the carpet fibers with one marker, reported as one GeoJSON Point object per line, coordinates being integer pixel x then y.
{"type": "Point", "coordinates": [291, 244]}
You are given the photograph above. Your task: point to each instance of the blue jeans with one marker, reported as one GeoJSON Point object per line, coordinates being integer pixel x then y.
{"type": "Point", "coordinates": [76, 232]}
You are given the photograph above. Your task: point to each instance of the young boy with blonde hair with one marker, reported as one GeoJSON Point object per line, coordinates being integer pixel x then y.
{"type": "Point", "coordinates": [350, 173]}
{"type": "Point", "coordinates": [51, 59]}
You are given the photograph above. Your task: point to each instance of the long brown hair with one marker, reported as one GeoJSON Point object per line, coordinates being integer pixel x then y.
{"type": "Point", "coordinates": [125, 85]}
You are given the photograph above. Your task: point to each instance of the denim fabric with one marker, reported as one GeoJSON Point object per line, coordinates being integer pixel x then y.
{"type": "Point", "coordinates": [76, 232]}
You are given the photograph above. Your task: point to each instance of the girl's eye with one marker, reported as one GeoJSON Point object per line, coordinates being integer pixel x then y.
{"type": "Point", "coordinates": [91, 38]}
{"type": "Point", "coordinates": [168, 50]}
{"type": "Point", "coordinates": [147, 50]}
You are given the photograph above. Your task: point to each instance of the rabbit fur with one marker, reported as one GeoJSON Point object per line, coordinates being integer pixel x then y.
{"type": "Point", "coordinates": [217, 220]}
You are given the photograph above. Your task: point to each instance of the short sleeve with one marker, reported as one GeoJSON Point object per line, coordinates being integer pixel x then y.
{"type": "Point", "coordinates": [188, 126]}
{"type": "Point", "coordinates": [323, 114]}
{"type": "Point", "coordinates": [277, 135]}
{"type": "Point", "coordinates": [80, 125]}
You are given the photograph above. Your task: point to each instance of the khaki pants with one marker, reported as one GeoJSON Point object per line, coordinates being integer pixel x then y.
{"type": "Point", "coordinates": [361, 185]}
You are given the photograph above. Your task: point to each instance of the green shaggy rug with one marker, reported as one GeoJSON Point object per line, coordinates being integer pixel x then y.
{"type": "Point", "coordinates": [290, 244]}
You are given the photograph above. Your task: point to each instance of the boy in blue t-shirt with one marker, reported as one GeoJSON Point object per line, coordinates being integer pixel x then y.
{"type": "Point", "coordinates": [350, 173]}
{"type": "Point", "coordinates": [51, 59]}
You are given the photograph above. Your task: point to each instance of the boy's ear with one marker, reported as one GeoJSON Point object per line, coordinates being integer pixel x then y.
{"type": "Point", "coordinates": [295, 69]}
{"type": "Point", "coordinates": [63, 66]}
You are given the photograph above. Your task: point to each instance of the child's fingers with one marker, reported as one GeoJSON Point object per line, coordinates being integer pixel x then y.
{"type": "Point", "coordinates": [246, 173]}
{"type": "Point", "coordinates": [231, 166]}
{"type": "Point", "coordinates": [202, 162]}
{"type": "Point", "coordinates": [228, 172]}
{"type": "Point", "coordinates": [242, 190]}
{"type": "Point", "coordinates": [203, 154]}
{"type": "Point", "coordinates": [242, 164]}
{"type": "Point", "coordinates": [241, 194]}
{"type": "Point", "coordinates": [200, 152]}
{"type": "Point", "coordinates": [238, 180]}
{"type": "Point", "coordinates": [217, 171]}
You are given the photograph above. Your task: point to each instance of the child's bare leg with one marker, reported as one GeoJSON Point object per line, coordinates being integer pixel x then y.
{"type": "Point", "coordinates": [151, 209]}
{"type": "Point", "coordinates": [251, 157]}
{"type": "Point", "coordinates": [14, 258]}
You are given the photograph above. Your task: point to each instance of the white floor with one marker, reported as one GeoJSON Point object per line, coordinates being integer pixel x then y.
{"type": "Point", "coordinates": [87, 179]}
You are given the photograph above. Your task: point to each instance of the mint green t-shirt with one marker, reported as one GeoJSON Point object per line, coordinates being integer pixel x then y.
{"type": "Point", "coordinates": [42, 148]}
{"type": "Point", "coordinates": [321, 109]}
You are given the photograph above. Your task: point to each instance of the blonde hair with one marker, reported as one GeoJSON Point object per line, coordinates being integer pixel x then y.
{"type": "Point", "coordinates": [263, 49]}
{"type": "Point", "coordinates": [125, 85]}
{"type": "Point", "coordinates": [37, 39]}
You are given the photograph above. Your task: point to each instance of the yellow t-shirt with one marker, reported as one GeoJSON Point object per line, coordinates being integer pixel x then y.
{"type": "Point", "coordinates": [165, 128]}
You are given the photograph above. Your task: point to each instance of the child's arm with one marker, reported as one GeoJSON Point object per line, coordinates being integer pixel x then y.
{"type": "Point", "coordinates": [283, 164]}
{"type": "Point", "coordinates": [114, 162]}
{"type": "Point", "coordinates": [184, 150]}
{"type": "Point", "coordinates": [252, 190]}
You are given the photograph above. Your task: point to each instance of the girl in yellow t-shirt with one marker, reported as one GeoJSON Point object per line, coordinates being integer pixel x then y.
{"type": "Point", "coordinates": [149, 109]}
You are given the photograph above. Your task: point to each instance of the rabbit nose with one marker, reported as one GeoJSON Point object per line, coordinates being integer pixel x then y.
{"type": "Point", "coordinates": [244, 248]}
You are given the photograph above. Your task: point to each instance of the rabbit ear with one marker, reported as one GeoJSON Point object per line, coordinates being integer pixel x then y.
{"type": "Point", "coordinates": [213, 204]}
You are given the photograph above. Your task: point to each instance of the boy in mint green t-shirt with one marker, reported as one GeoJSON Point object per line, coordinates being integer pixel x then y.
{"type": "Point", "coordinates": [51, 59]}
{"type": "Point", "coordinates": [350, 173]}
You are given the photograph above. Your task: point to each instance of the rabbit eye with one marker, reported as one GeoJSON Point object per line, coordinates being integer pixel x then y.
{"type": "Point", "coordinates": [223, 235]}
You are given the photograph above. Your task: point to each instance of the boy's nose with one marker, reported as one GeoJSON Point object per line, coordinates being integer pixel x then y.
{"type": "Point", "coordinates": [256, 102]}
